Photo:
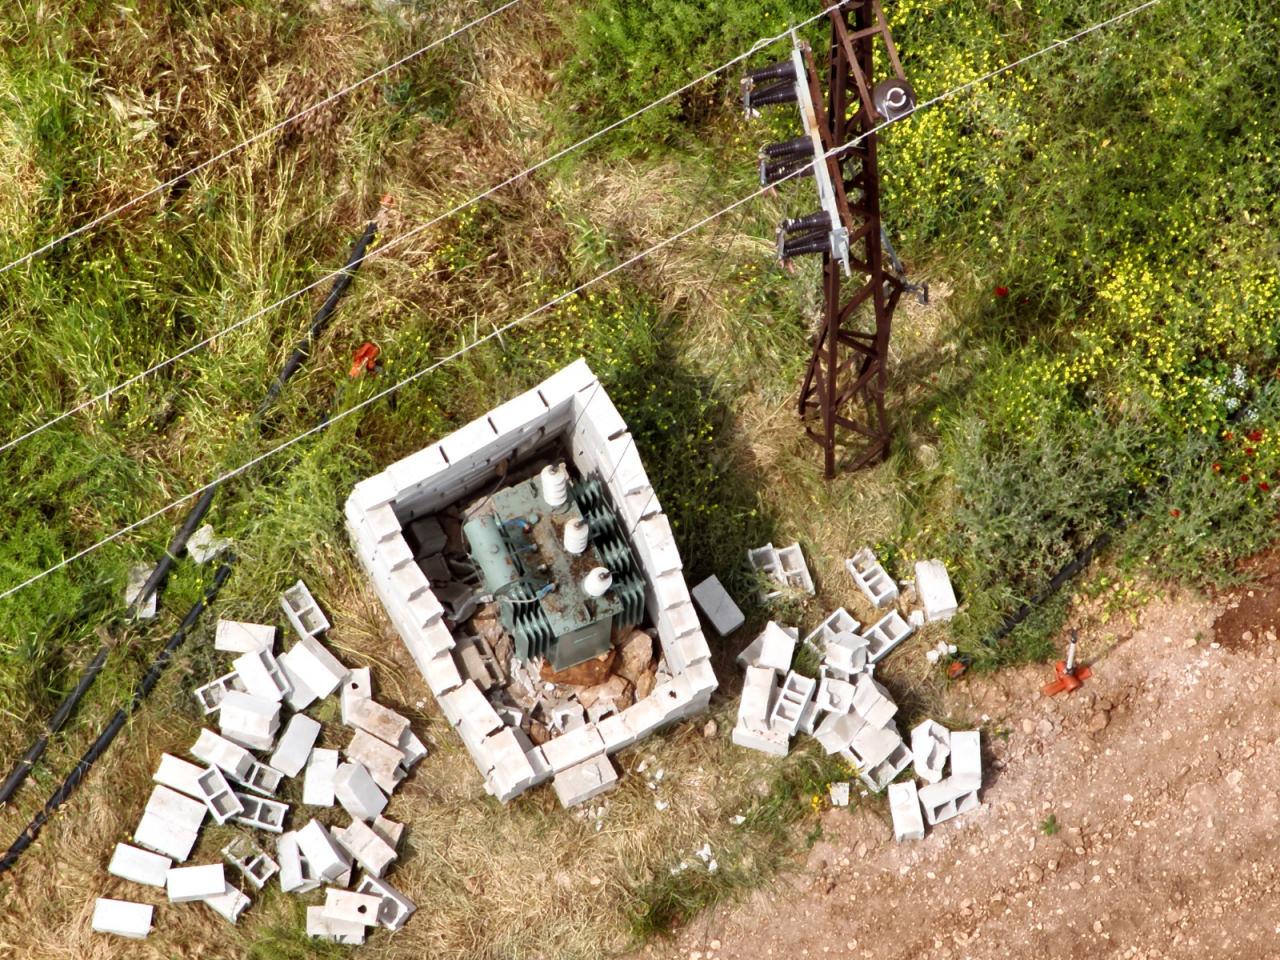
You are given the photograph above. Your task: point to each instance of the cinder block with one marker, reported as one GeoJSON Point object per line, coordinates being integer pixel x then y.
{"type": "Point", "coordinates": [837, 623]}
{"type": "Point", "coordinates": [569, 387]}
{"type": "Point", "coordinates": [933, 587]}
{"type": "Point", "coordinates": [173, 807]}
{"type": "Point", "coordinates": [357, 686]}
{"type": "Point", "coordinates": [381, 759]}
{"type": "Point", "coordinates": [179, 774]}
{"type": "Point", "coordinates": [325, 859]}
{"type": "Point", "coordinates": [210, 695]}
{"type": "Point", "coordinates": [252, 862]}
{"type": "Point", "coordinates": [393, 554]}
{"type": "Point", "coordinates": [300, 696]}
{"type": "Point", "coordinates": [571, 749]}
{"type": "Point", "coordinates": [372, 492]}
{"type": "Point", "coordinates": [930, 747]}
{"type": "Point", "coordinates": [185, 884]}
{"type": "Point", "coordinates": [772, 648]}
{"type": "Point", "coordinates": [834, 696]}
{"type": "Point", "coordinates": [872, 701]}
{"type": "Point", "coordinates": [758, 690]}
{"type": "Point", "coordinates": [248, 720]}
{"type": "Point", "coordinates": [261, 813]}
{"type": "Point", "coordinates": [229, 757]}
{"type": "Point", "coordinates": [158, 834]}
{"type": "Point", "coordinates": [122, 917]}
{"type": "Point", "coordinates": [294, 749]}
{"type": "Point", "coordinates": [793, 696]}
{"type": "Point", "coordinates": [295, 873]}
{"type": "Point", "coordinates": [373, 718]}
{"type": "Point", "coordinates": [259, 778]}
{"type": "Point", "coordinates": [394, 909]}
{"type": "Point", "coordinates": [238, 636]}
{"type": "Point", "coordinates": [512, 772]}
{"type": "Point", "coordinates": [904, 806]}
{"type": "Point", "coordinates": [411, 749]}
{"type": "Point", "coordinates": [140, 866]}
{"type": "Point", "coordinates": [218, 795]}
{"type": "Point", "coordinates": [261, 675]}
{"type": "Point", "coordinates": [583, 781]}
{"type": "Point", "coordinates": [318, 669]}
{"type": "Point", "coordinates": [886, 634]}
{"type": "Point", "coordinates": [837, 731]}
{"type": "Point", "coordinates": [966, 760]}
{"type": "Point", "coordinates": [389, 831]}
{"type": "Point", "coordinates": [718, 607]}
{"type": "Point", "coordinates": [302, 611]}
{"type": "Point", "coordinates": [317, 786]}
{"type": "Point", "coordinates": [615, 733]}
{"type": "Point", "coordinates": [356, 790]}
{"type": "Point", "coordinates": [229, 904]}
{"type": "Point", "coordinates": [767, 741]}
{"type": "Point", "coordinates": [336, 931]}
{"type": "Point", "coordinates": [382, 523]}
{"type": "Point", "coordinates": [415, 470]}
{"type": "Point", "coordinates": [368, 849]}
{"type": "Point", "coordinates": [871, 578]}
{"type": "Point", "coordinates": [943, 800]}
{"type": "Point", "coordinates": [880, 776]}
{"type": "Point", "coordinates": [872, 745]}
{"type": "Point", "coordinates": [352, 907]}
{"type": "Point", "coordinates": [520, 415]}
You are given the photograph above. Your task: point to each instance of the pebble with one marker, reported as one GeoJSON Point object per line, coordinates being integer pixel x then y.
{"type": "Point", "coordinates": [1098, 722]}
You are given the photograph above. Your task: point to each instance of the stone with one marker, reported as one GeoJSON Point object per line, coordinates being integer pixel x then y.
{"type": "Point", "coordinates": [635, 657]}
{"type": "Point", "coordinates": [204, 545]}
{"type": "Point", "coordinates": [139, 573]}
{"type": "Point", "coordinates": [585, 674]}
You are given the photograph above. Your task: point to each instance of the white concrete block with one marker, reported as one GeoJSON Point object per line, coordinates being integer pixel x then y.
{"type": "Point", "coordinates": [355, 789]}
{"type": "Point", "coordinates": [217, 795]}
{"type": "Point", "coordinates": [238, 636]}
{"type": "Point", "coordinates": [718, 607]}
{"type": "Point", "coordinates": [411, 748]}
{"type": "Point", "coordinates": [943, 800]}
{"type": "Point", "coordinates": [229, 757]}
{"type": "Point", "coordinates": [261, 675]}
{"type": "Point", "coordinates": [570, 386]}
{"type": "Point", "coordinates": [766, 741]}
{"type": "Point", "coordinates": [521, 414]}
{"type": "Point", "coordinates": [158, 834]}
{"type": "Point", "coordinates": [966, 760]}
{"type": "Point", "coordinates": [382, 523]}
{"type": "Point", "coordinates": [372, 492]}
{"type": "Point", "coordinates": [323, 927]}
{"type": "Point", "coordinates": [389, 831]}
{"type": "Point", "coordinates": [317, 786]}
{"type": "Point", "coordinates": [373, 718]}
{"type": "Point", "coordinates": [183, 812]}
{"type": "Point", "coordinates": [933, 587]}
{"type": "Point", "coordinates": [261, 813]}
{"type": "Point", "coordinates": [793, 696]}
{"type": "Point", "coordinates": [140, 866]}
{"type": "Point", "coordinates": [179, 774]}
{"type": "Point", "coordinates": [872, 701]}
{"type": "Point", "coordinates": [880, 776]}
{"type": "Point", "coordinates": [210, 695]}
{"type": "Point", "coordinates": [295, 872]}
{"type": "Point", "coordinates": [185, 884]}
{"type": "Point", "coordinates": [351, 907]}
{"type": "Point", "coordinates": [394, 909]}
{"type": "Point", "coordinates": [834, 696]}
{"type": "Point", "coordinates": [368, 849]}
{"type": "Point", "coordinates": [583, 781]}
{"type": "Point", "coordinates": [871, 578]}
{"type": "Point", "coordinates": [872, 745]}
{"type": "Point", "coordinates": [758, 690]}
{"type": "Point", "coordinates": [316, 667]}
{"type": "Point", "coordinates": [381, 759]}
{"type": "Point", "coordinates": [259, 778]}
{"type": "Point", "coordinates": [122, 917]}
{"type": "Point", "coordinates": [357, 686]}
{"type": "Point", "coordinates": [252, 862]}
{"type": "Point", "coordinates": [930, 747]}
{"type": "Point", "coordinates": [837, 731]}
{"type": "Point", "coordinates": [229, 904]}
{"type": "Point", "coordinates": [248, 720]}
{"type": "Point", "coordinates": [325, 859]}
{"type": "Point", "coordinates": [512, 773]}
{"type": "Point", "coordinates": [656, 544]}
{"type": "Point", "coordinates": [904, 806]}
{"type": "Point", "coordinates": [615, 733]}
{"type": "Point", "coordinates": [772, 648]}
{"type": "Point", "coordinates": [303, 612]}
{"type": "Point", "coordinates": [885, 634]}
{"type": "Point", "coordinates": [573, 748]}
{"type": "Point", "coordinates": [300, 695]}
{"type": "Point", "coordinates": [294, 749]}
{"type": "Point", "coordinates": [837, 623]}
{"type": "Point", "coordinates": [407, 476]}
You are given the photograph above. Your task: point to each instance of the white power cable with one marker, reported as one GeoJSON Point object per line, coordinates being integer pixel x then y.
{"type": "Point", "coordinates": [293, 118]}
{"type": "Point", "coordinates": [378, 251]}
{"type": "Point", "coordinates": [499, 331]}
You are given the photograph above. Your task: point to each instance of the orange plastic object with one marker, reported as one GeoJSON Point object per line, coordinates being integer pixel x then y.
{"type": "Point", "coordinates": [365, 359]}
{"type": "Point", "coordinates": [1066, 682]}
{"type": "Point", "coordinates": [956, 669]}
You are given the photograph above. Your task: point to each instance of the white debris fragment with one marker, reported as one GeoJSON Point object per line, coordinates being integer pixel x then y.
{"type": "Point", "coordinates": [930, 747]}
{"type": "Point", "coordinates": [138, 575]}
{"type": "Point", "coordinates": [839, 793]}
{"type": "Point", "coordinates": [204, 545]}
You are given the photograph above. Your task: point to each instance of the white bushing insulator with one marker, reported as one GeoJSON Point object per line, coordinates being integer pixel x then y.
{"type": "Point", "coordinates": [555, 484]}
{"type": "Point", "coordinates": [597, 582]}
{"type": "Point", "coordinates": [576, 534]}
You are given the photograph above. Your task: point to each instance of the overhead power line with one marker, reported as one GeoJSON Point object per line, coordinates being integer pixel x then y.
{"type": "Point", "coordinates": [560, 298]}
{"type": "Point", "coordinates": [409, 234]}
{"type": "Point", "coordinates": [293, 118]}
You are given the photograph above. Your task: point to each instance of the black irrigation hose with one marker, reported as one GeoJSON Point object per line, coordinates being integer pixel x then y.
{"type": "Point", "coordinates": [178, 544]}
{"type": "Point", "coordinates": [116, 723]}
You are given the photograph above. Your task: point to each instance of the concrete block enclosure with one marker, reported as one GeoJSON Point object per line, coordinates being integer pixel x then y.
{"type": "Point", "coordinates": [567, 418]}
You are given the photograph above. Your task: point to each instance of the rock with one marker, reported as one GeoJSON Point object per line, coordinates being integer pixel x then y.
{"type": "Point", "coordinates": [1044, 728]}
{"type": "Point", "coordinates": [616, 689]}
{"type": "Point", "coordinates": [1028, 727]}
{"type": "Point", "coordinates": [538, 733]}
{"type": "Point", "coordinates": [711, 729]}
{"type": "Point", "coordinates": [646, 683]}
{"type": "Point", "coordinates": [1034, 874]}
{"type": "Point", "coordinates": [1098, 722]}
{"type": "Point", "coordinates": [635, 656]}
{"type": "Point", "coordinates": [585, 674]}
{"type": "Point", "coordinates": [1247, 636]}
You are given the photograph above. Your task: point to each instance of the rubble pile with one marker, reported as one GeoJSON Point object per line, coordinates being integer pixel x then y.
{"type": "Point", "coordinates": [259, 708]}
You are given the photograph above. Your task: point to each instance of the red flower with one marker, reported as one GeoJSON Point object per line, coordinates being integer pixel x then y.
{"type": "Point", "coordinates": [1248, 451]}
{"type": "Point", "coordinates": [1175, 512]}
{"type": "Point", "coordinates": [1002, 291]}
{"type": "Point", "coordinates": [1255, 436]}
{"type": "Point", "coordinates": [1228, 435]}
{"type": "Point", "coordinates": [1217, 468]}
{"type": "Point", "coordinates": [1244, 478]}
{"type": "Point", "coordinates": [1264, 486]}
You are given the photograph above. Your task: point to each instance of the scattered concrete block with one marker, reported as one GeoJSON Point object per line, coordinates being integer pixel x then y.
{"type": "Point", "coordinates": [766, 741]}
{"type": "Point", "coordinates": [795, 572]}
{"type": "Point", "coordinates": [317, 785]}
{"type": "Point", "coordinates": [381, 759]}
{"type": "Point", "coordinates": [389, 831]}
{"type": "Point", "coordinates": [411, 748]}
{"type": "Point", "coordinates": [717, 606]}
{"type": "Point", "coordinates": [231, 758]}
{"type": "Point", "coordinates": [395, 908]}
{"type": "Point", "coordinates": [837, 623]}
{"type": "Point", "coordinates": [179, 810]}
{"type": "Point", "coordinates": [139, 573]}
{"type": "Point", "coordinates": [872, 745]}
{"type": "Point", "coordinates": [318, 669]}
{"type": "Point", "coordinates": [203, 545]}
{"type": "Point", "coordinates": [765, 560]}
{"type": "Point", "coordinates": [758, 690]}
{"type": "Point", "coordinates": [880, 776]}
{"type": "Point", "coordinates": [885, 634]}
{"type": "Point", "coordinates": [372, 717]}
{"type": "Point", "coordinates": [904, 806]}
{"type": "Point", "coordinates": [237, 636]}
{"type": "Point", "coordinates": [140, 866]}
{"type": "Point", "coordinates": [871, 578]}
{"type": "Point", "coordinates": [839, 793]}
{"type": "Point", "coordinates": [793, 696]}
{"type": "Point", "coordinates": [122, 917]}
{"type": "Point", "coordinates": [303, 612]}
{"type": "Point", "coordinates": [248, 720]}
{"type": "Point", "coordinates": [295, 872]}
{"type": "Point", "coordinates": [158, 834]}
{"type": "Point", "coordinates": [845, 653]}
{"type": "Point", "coordinates": [834, 696]}
{"type": "Point", "coordinates": [325, 859]}
{"type": "Point", "coordinates": [366, 847]}
{"type": "Point", "coordinates": [300, 695]}
{"type": "Point", "coordinates": [218, 795]}
{"type": "Point", "coordinates": [262, 813]}
{"type": "Point", "coordinates": [837, 731]}
{"type": "Point", "coordinates": [185, 884]}
{"type": "Point", "coordinates": [586, 780]}
{"type": "Point", "coordinates": [357, 686]}
{"type": "Point", "coordinates": [262, 675]}
{"type": "Point", "coordinates": [873, 702]}
{"type": "Point", "coordinates": [930, 747]}
{"type": "Point", "coordinates": [179, 774]}
{"type": "Point", "coordinates": [808, 718]}
{"type": "Point", "coordinates": [352, 907]}
{"type": "Point", "coordinates": [943, 800]}
{"type": "Point", "coordinates": [773, 648]}
{"type": "Point", "coordinates": [323, 927]}
{"type": "Point", "coordinates": [294, 749]}
{"type": "Point", "coordinates": [210, 695]}
{"type": "Point", "coordinates": [251, 860]}
{"type": "Point", "coordinates": [356, 790]}
{"type": "Point", "coordinates": [259, 778]}
{"type": "Point", "coordinates": [229, 904]}
{"type": "Point", "coordinates": [933, 587]}
{"type": "Point", "coordinates": [966, 760]}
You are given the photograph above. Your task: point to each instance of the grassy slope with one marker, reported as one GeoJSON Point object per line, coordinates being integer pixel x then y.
{"type": "Point", "coordinates": [1053, 182]}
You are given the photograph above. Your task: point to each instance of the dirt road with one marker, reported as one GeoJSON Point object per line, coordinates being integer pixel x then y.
{"type": "Point", "coordinates": [1162, 777]}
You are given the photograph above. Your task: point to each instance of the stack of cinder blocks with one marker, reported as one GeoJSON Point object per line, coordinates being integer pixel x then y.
{"type": "Point", "coordinates": [258, 707]}
{"type": "Point", "coordinates": [572, 408]}
{"type": "Point", "coordinates": [775, 699]}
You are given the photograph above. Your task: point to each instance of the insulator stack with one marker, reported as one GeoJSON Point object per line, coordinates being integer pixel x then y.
{"type": "Point", "coordinates": [782, 70]}
{"type": "Point", "coordinates": [788, 148]}
{"type": "Point", "coordinates": [767, 96]}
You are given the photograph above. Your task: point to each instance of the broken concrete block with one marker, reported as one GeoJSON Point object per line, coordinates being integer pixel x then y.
{"type": "Point", "coordinates": [356, 790]}
{"type": "Point", "coordinates": [793, 696]}
{"type": "Point", "coordinates": [808, 718]}
{"type": "Point", "coordinates": [179, 774]}
{"type": "Point", "coordinates": [325, 859]}
{"type": "Point", "coordinates": [366, 847]}
{"type": "Point", "coordinates": [229, 904]}
{"type": "Point", "coordinates": [966, 759]}
{"type": "Point", "coordinates": [317, 786]}
{"type": "Point", "coordinates": [717, 606]}
{"type": "Point", "coordinates": [795, 572]}
{"type": "Point", "coordinates": [411, 748]}
{"type": "Point", "coordinates": [318, 669]}
{"type": "Point", "coordinates": [872, 701]}
{"type": "Point", "coordinates": [295, 872]}
{"type": "Point", "coordinates": [571, 749]}
{"type": "Point", "coordinates": [845, 653]}
{"type": "Point", "coordinates": [477, 662]}
{"type": "Point", "coordinates": [389, 831]}
{"type": "Point", "coordinates": [372, 717]}
{"type": "Point", "coordinates": [203, 545]}
{"type": "Point", "coordinates": [834, 696]}
{"type": "Point", "coordinates": [210, 695]}
{"type": "Point", "coordinates": [352, 907]}
{"type": "Point", "coordinates": [880, 776]}
{"type": "Point", "coordinates": [140, 866]}
{"type": "Point", "coordinates": [262, 813]}
{"type": "Point", "coordinates": [122, 917]}
{"type": "Point", "coordinates": [247, 857]}
{"type": "Point", "coordinates": [303, 612]}
{"type": "Point", "coordinates": [248, 720]}
{"type": "Point", "coordinates": [218, 795]}
{"type": "Point", "coordinates": [838, 622]}
{"type": "Point", "coordinates": [904, 806]}
{"type": "Point", "coordinates": [584, 781]}
{"type": "Point", "coordinates": [839, 793]}
{"type": "Point", "coordinates": [837, 731]}
{"type": "Point", "coordinates": [512, 773]}
{"type": "Point", "coordinates": [323, 927]}
{"type": "Point", "coordinates": [930, 747]}
{"type": "Point", "coordinates": [395, 908]}
{"type": "Point", "coordinates": [381, 759]}
{"type": "Point", "coordinates": [139, 573]}
{"type": "Point", "coordinates": [933, 587]}
{"type": "Point", "coordinates": [872, 745]}
{"type": "Point", "coordinates": [766, 741]}
{"type": "Point", "coordinates": [885, 634]}
{"type": "Point", "coordinates": [294, 749]}
{"type": "Point", "coordinates": [262, 676]}
{"type": "Point", "coordinates": [772, 648]}
{"type": "Point", "coordinates": [357, 686]}
{"type": "Point", "coordinates": [185, 884]}
{"type": "Point", "coordinates": [237, 636]}
{"type": "Point", "coordinates": [871, 578]}
{"type": "Point", "coordinates": [228, 757]}
{"type": "Point", "coordinates": [758, 690]}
